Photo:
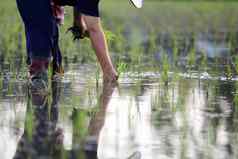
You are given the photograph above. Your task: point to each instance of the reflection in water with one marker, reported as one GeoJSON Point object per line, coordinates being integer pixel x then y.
{"type": "Point", "coordinates": [193, 121]}
{"type": "Point", "coordinates": [140, 120]}
{"type": "Point", "coordinates": [42, 137]}
{"type": "Point", "coordinates": [91, 139]}
{"type": "Point", "coordinates": [12, 114]}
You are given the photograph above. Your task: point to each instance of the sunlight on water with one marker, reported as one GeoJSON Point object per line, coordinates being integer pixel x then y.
{"type": "Point", "coordinates": [12, 116]}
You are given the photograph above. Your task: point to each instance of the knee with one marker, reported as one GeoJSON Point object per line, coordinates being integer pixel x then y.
{"type": "Point", "coordinates": [93, 28]}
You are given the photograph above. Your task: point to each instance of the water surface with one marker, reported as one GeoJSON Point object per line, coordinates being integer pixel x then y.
{"type": "Point", "coordinates": [140, 118]}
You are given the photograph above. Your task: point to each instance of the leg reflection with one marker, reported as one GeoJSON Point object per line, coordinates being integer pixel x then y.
{"type": "Point", "coordinates": [41, 137]}
{"type": "Point", "coordinates": [96, 123]}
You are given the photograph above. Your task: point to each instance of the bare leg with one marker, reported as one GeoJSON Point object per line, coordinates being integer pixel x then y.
{"type": "Point", "coordinates": [99, 44]}
{"type": "Point", "coordinates": [97, 121]}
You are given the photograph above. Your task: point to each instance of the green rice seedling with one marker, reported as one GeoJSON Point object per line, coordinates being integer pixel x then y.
{"type": "Point", "coordinates": [121, 68]}
{"type": "Point", "coordinates": [63, 154]}
{"type": "Point", "coordinates": [11, 86]}
{"type": "Point", "coordinates": [68, 47]}
{"type": "Point", "coordinates": [204, 61]}
{"type": "Point", "coordinates": [165, 69]}
{"type": "Point", "coordinates": [191, 59]}
{"type": "Point", "coordinates": [80, 130]}
{"type": "Point", "coordinates": [160, 103]}
{"type": "Point", "coordinates": [29, 125]}
{"type": "Point", "coordinates": [1, 82]}
{"type": "Point", "coordinates": [236, 63]}
{"type": "Point", "coordinates": [228, 72]}
{"type": "Point", "coordinates": [118, 45]}
{"type": "Point", "coordinates": [80, 154]}
{"type": "Point", "coordinates": [29, 119]}
{"type": "Point", "coordinates": [175, 51]}
{"type": "Point", "coordinates": [86, 52]}
{"type": "Point", "coordinates": [184, 90]}
{"type": "Point", "coordinates": [110, 36]}
{"type": "Point", "coordinates": [155, 101]}
{"type": "Point", "coordinates": [236, 97]}
{"type": "Point", "coordinates": [230, 43]}
{"type": "Point", "coordinates": [175, 76]}
{"type": "Point", "coordinates": [135, 54]}
{"type": "Point", "coordinates": [152, 47]}
{"type": "Point", "coordinates": [136, 91]}
{"type": "Point", "coordinates": [216, 70]}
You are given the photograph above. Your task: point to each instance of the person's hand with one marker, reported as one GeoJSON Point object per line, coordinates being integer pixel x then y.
{"type": "Point", "coordinates": [78, 32]}
{"type": "Point", "coordinates": [79, 29]}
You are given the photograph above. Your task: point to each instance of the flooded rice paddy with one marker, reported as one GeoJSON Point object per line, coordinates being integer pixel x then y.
{"type": "Point", "coordinates": [141, 118]}
{"type": "Point", "coordinates": [177, 95]}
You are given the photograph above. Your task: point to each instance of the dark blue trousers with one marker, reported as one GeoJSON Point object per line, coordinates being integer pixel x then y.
{"type": "Point", "coordinates": [41, 30]}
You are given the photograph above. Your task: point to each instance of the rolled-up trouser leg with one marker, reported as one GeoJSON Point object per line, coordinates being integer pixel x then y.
{"type": "Point", "coordinates": [88, 7]}
{"type": "Point", "coordinates": [38, 65]}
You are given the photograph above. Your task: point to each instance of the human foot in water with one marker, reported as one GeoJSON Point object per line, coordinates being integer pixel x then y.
{"type": "Point", "coordinates": [110, 76]}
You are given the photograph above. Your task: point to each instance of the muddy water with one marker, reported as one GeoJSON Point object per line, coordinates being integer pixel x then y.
{"type": "Point", "coordinates": [141, 118]}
